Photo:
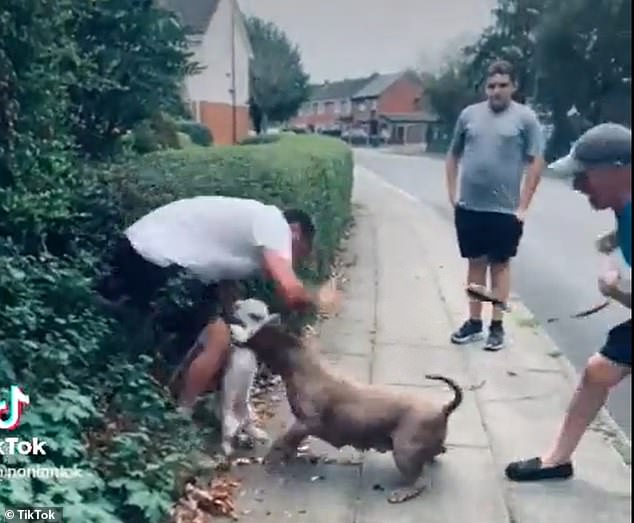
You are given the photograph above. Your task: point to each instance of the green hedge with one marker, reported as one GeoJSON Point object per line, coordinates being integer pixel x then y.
{"type": "Point", "coordinates": [199, 133]}
{"type": "Point", "coordinates": [261, 139]}
{"type": "Point", "coordinates": [95, 383]}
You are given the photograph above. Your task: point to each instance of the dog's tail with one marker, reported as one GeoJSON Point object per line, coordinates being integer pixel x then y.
{"type": "Point", "coordinates": [458, 396]}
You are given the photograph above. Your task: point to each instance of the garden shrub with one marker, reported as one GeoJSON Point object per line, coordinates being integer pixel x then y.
{"type": "Point", "coordinates": [199, 133]}
{"type": "Point", "coordinates": [96, 384]}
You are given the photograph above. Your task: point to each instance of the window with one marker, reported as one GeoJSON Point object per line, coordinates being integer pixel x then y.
{"type": "Point", "coordinates": [374, 105]}
{"type": "Point", "coordinates": [315, 108]}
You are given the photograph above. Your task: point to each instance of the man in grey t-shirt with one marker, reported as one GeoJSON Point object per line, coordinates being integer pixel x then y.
{"type": "Point", "coordinates": [495, 142]}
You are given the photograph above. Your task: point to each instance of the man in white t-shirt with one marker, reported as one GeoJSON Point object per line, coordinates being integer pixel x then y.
{"type": "Point", "coordinates": [219, 240]}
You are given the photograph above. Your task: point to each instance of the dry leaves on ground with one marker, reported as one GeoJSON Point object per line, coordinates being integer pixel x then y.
{"type": "Point", "coordinates": [204, 504]}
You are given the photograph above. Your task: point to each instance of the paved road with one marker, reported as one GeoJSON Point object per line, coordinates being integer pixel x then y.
{"type": "Point", "coordinates": [556, 269]}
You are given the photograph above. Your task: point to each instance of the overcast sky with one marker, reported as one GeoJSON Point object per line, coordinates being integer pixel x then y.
{"type": "Point", "coordinates": [357, 37]}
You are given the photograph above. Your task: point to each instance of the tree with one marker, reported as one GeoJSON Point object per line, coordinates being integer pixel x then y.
{"type": "Point", "coordinates": [449, 91]}
{"type": "Point", "coordinates": [132, 59]}
{"type": "Point", "coordinates": [279, 84]}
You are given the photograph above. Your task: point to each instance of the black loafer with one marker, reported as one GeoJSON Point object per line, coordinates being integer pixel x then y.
{"type": "Point", "coordinates": [532, 470]}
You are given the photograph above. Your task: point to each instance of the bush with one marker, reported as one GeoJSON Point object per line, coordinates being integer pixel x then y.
{"type": "Point", "coordinates": [199, 133]}
{"type": "Point", "coordinates": [261, 139]}
{"type": "Point", "coordinates": [96, 385]}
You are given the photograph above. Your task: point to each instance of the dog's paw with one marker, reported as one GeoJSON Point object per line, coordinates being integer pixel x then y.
{"type": "Point", "coordinates": [277, 456]}
{"type": "Point", "coordinates": [259, 435]}
{"type": "Point", "coordinates": [406, 493]}
{"type": "Point", "coordinates": [227, 448]}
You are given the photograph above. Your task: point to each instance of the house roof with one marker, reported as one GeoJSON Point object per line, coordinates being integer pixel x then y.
{"type": "Point", "coordinates": [371, 86]}
{"type": "Point", "coordinates": [377, 85]}
{"type": "Point", "coordinates": [338, 90]}
{"type": "Point", "coordinates": [195, 14]}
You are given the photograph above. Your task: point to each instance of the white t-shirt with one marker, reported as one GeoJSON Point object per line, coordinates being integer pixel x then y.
{"type": "Point", "coordinates": [214, 237]}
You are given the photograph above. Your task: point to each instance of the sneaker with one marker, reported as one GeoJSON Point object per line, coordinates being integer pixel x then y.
{"type": "Point", "coordinates": [532, 470]}
{"type": "Point", "coordinates": [495, 341]}
{"type": "Point", "coordinates": [470, 331]}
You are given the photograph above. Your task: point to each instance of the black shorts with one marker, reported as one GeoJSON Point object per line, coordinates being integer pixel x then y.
{"type": "Point", "coordinates": [618, 346]}
{"type": "Point", "coordinates": [491, 234]}
{"type": "Point", "coordinates": [133, 276]}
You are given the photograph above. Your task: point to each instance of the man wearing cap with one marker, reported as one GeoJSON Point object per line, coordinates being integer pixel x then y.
{"type": "Point", "coordinates": [600, 166]}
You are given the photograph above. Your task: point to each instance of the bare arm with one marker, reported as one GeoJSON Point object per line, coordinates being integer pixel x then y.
{"type": "Point", "coordinates": [531, 182]}
{"type": "Point", "coordinates": [288, 285]}
{"type": "Point", "coordinates": [453, 157]}
{"type": "Point", "coordinates": [451, 171]}
{"type": "Point", "coordinates": [535, 151]}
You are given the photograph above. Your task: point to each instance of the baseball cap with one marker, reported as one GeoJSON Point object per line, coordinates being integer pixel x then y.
{"type": "Point", "coordinates": [604, 145]}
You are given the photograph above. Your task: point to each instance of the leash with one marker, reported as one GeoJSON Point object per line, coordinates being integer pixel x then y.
{"type": "Point", "coordinates": [481, 293]}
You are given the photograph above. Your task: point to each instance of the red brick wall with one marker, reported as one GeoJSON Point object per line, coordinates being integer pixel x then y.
{"type": "Point", "coordinates": [218, 117]}
{"type": "Point", "coordinates": [400, 97]}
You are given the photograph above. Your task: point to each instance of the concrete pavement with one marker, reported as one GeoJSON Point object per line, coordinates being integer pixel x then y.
{"type": "Point", "coordinates": [403, 298]}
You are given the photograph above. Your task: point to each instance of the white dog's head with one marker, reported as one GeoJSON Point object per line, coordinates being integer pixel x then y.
{"type": "Point", "coordinates": [248, 317]}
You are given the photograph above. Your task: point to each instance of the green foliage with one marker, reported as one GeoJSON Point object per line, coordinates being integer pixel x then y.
{"type": "Point", "coordinates": [96, 385]}
{"type": "Point", "coordinates": [156, 133]}
{"type": "Point", "coordinates": [130, 62]}
{"type": "Point", "coordinates": [279, 84]}
{"type": "Point", "coordinates": [261, 139]}
{"type": "Point", "coordinates": [199, 133]}
{"type": "Point", "coordinates": [74, 76]}
{"type": "Point", "coordinates": [82, 79]}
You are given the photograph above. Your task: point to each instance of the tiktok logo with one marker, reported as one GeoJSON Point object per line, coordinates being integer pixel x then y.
{"type": "Point", "coordinates": [11, 411]}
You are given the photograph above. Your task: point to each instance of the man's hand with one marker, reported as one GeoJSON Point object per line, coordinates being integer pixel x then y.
{"type": "Point", "coordinates": [326, 299]}
{"type": "Point", "coordinates": [609, 283]}
{"type": "Point", "coordinates": [607, 243]}
{"type": "Point", "coordinates": [520, 214]}
{"type": "Point", "coordinates": [291, 289]}
{"type": "Point", "coordinates": [451, 175]}
{"type": "Point", "coordinates": [329, 298]}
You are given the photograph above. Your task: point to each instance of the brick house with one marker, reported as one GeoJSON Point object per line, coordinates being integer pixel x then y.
{"type": "Point", "coordinates": [218, 95]}
{"type": "Point", "coordinates": [392, 105]}
{"type": "Point", "coordinates": [328, 103]}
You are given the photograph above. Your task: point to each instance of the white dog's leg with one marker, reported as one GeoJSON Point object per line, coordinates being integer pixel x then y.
{"type": "Point", "coordinates": [248, 370]}
{"type": "Point", "coordinates": [230, 420]}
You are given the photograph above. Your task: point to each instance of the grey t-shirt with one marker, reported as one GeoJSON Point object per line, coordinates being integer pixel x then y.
{"type": "Point", "coordinates": [494, 149]}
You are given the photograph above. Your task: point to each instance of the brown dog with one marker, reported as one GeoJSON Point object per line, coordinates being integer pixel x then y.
{"type": "Point", "coordinates": [342, 412]}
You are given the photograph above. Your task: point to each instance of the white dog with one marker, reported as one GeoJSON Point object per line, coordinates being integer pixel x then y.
{"type": "Point", "coordinates": [234, 407]}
